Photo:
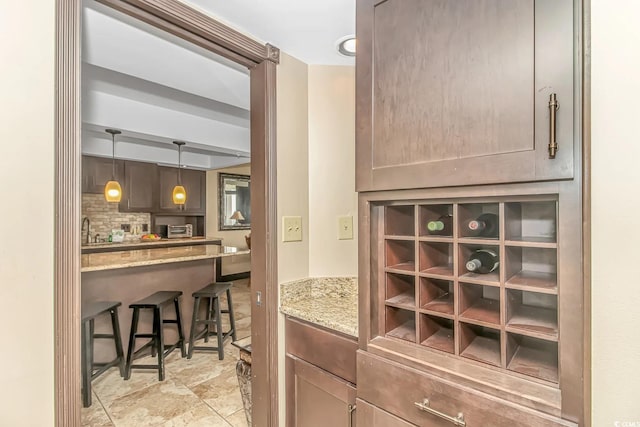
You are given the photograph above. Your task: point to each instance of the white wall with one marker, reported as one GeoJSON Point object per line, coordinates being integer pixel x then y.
{"type": "Point", "coordinates": [26, 253]}
{"type": "Point", "coordinates": [234, 264]}
{"type": "Point", "coordinates": [331, 170]}
{"type": "Point", "coordinates": [615, 206]}
{"type": "Point", "coordinates": [293, 183]}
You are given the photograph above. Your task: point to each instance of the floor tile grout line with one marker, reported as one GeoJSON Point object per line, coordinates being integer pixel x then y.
{"type": "Point", "coordinates": [216, 412]}
{"type": "Point", "coordinates": [105, 409]}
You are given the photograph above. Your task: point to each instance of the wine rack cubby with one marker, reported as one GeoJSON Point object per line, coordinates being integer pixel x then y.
{"type": "Point", "coordinates": [505, 318]}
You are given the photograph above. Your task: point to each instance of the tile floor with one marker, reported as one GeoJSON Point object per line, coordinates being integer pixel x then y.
{"type": "Point", "coordinates": [202, 391]}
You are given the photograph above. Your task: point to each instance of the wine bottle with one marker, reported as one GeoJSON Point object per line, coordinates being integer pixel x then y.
{"type": "Point", "coordinates": [443, 226]}
{"type": "Point", "coordinates": [486, 225]}
{"type": "Point", "coordinates": [483, 261]}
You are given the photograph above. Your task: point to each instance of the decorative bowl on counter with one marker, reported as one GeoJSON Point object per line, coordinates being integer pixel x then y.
{"type": "Point", "coordinates": [150, 237]}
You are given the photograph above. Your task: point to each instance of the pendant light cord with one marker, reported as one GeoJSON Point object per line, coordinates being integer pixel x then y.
{"type": "Point", "coordinates": [179, 164]}
{"type": "Point", "coordinates": [113, 157]}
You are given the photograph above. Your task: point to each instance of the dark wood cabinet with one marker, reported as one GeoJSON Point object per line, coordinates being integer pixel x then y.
{"type": "Point", "coordinates": [97, 171]}
{"type": "Point", "coordinates": [453, 93]}
{"type": "Point", "coordinates": [454, 121]}
{"type": "Point", "coordinates": [372, 416]}
{"type": "Point", "coordinates": [194, 183]}
{"type": "Point", "coordinates": [146, 187]}
{"type": "Point", "coordinates": [320, 376]}
{"type": "Point", "coordinates": [318, 398]}
{"type": "Point", "coordinates": [139, 190]}
{"type": "Point", "coordinates": [511, 340]}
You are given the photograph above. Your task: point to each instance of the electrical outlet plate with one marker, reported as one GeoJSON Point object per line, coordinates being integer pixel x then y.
{"type": "Point", "coordinates": [291, 228]}
{"type": "Point", "coordinates": [345, 227]}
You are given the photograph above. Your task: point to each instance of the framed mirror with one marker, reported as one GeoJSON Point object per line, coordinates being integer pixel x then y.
{"type": "Point", "coordinates": [234, 202]}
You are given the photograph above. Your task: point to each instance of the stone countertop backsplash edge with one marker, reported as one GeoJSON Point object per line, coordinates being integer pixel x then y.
{"type": "Point", "coordinates": [330, 302]}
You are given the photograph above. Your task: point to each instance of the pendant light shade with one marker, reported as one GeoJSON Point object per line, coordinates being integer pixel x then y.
{"type": "Point", "coordinates": [112, 189]}
{"type": "Point", "coordinates": [179, 193]}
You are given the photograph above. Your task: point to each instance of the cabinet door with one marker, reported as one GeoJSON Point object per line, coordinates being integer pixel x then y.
{"type": "Point", "coordinates": [194, 183]}
{"type": "Point", "coordinates": [315, 398]}
{"type": "Point", "coordinates": [139, 187]}
{"type": "Point", "coordinates": [457, 92]}
{"type": "Point", "coordinates": [372, 416]}
{"type": "Point", "coordinates": [97, 171]}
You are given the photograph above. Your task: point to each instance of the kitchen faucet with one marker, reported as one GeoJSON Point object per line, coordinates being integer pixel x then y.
{"type": "Point", "coordinates": [88, 221]}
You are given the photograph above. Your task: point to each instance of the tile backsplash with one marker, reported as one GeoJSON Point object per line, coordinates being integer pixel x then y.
{"type": "Point", "coordinates": [104, 217]}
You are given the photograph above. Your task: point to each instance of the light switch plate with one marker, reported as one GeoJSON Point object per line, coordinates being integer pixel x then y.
{"type": "Point", "coordinates": [345, 227]}
{"type": "Point", "coordinates": [291, 228]}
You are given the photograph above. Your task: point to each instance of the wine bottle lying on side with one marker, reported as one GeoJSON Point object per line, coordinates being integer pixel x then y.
{"type": "Point", "coordinates": [483, 261]}
{"type": "Point", "coordinates": [443, 226]}
{"type": "Point", "coordinates": [486, 225]}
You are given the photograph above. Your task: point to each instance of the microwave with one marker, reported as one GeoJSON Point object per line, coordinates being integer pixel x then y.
{"type": "Point", "coordinates": [179, 231]}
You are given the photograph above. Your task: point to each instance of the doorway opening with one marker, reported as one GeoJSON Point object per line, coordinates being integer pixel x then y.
{"type": "Point", "coordinates": [131, 96]}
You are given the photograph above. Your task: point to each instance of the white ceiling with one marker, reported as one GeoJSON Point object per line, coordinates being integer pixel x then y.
{"type": "Point", "coordinates": [305, 29]}
{"type": "Point", "coordinates": [157, 88]}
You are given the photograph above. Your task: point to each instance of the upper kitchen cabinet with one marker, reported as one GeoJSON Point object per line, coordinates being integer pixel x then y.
{"type": "Point", "coordinates": [140, 187]}
{"type": "Point", "coordinates": [194, 182]}
{"type": "Point", "coordinates": [97, 171]}
{"type": "Point", "coordinates": [461, 92]}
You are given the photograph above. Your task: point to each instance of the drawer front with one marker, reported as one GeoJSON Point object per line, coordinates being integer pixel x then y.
{"type": "Point", "coordinates": [328, 350]}
{"type": "Point", "coordinates": [372, 416]}
{"type": "Point", "coordinates": [399, 390]}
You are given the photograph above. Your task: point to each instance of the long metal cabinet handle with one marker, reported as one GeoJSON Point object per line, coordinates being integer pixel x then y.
{"type": "Point", "coordinates": [457, 420]}
{"type": "Point", "coordinates": [352, 409]}
{"type": "Point", "coordinates": [553, 108]}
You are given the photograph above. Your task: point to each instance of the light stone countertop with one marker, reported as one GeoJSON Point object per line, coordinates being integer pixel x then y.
{"type": "Point", "coordinates": [331, 302]}
{"type": "Point", "coordinates": [142, 257]}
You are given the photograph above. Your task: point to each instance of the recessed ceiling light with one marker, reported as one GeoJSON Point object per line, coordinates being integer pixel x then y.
{"type": "Point", "coordinates": [347, 45]}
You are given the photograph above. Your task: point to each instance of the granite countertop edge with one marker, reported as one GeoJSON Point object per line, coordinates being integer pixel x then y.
{"type": "Point", "coordinates": [160, 243]}
{"type": "Point", "coordinates": [329, 302]}
{"type": "Point", "coordinates": [144, 257]}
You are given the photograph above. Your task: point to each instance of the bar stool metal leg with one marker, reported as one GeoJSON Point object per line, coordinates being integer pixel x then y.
{"type": "Point", "coordinates": [86, 365]}
{"type": "Point", "coordinates": [132, 343]}
{"type": "Point", "coordinates": [115, 324]}
{"type": "Point", "coordinates": [209, 318]}
{"type": "Point", "coordinates": [157, 320]}
{"type": "Point", "coordinates": [219, 332]}
{"type": "Point", "coordinates": [194, 320]}
{"type": "Point", "coordinates": [232, 319]}
{"type": "Point", "coordinates": [183, 350]}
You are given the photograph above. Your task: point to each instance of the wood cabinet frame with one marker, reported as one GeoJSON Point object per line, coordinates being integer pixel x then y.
{"type": "Point", "coordinates": [514, 165]}
{"type": "Point", "coordinates": [176, 18]}
{"type": "Point", "coordinates": [578, 397]}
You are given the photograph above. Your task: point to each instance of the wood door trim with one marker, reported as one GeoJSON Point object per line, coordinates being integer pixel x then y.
{"type": "Point", "coordinates": [199, 28]}
{"type": "Point", "coordinates": [196, 27]}
{"type": "Point", "coordinates": [585, 17]}
{"type": "Point", "coordinates": [67, 215]}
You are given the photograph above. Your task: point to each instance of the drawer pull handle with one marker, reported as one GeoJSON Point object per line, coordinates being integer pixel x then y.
{"type": "Point", "coordinates": [553, 108]}
{"type": "Point", "coordinates": [351, 409]}
{"type": "Point", "coordinates": [457, 420]}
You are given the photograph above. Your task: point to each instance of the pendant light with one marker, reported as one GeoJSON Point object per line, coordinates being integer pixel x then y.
{"type": "Point", "coordinates": [179, 193]}
{"type": "Point", "coordinates": [112, 190]}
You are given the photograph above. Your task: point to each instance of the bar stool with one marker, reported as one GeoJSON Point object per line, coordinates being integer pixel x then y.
{"type": "Point", "coordinates": [212, 293]}
{"type": "Point", "coordinates": [154, 302]}
{"type": "Point", "coordinates": [89, 313]}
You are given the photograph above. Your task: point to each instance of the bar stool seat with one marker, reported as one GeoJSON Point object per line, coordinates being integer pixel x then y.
{"type": "Point", "coordinates": [89, 313]}
{"type": "Point", "coordinates": [212, 293]}
{"type": "Point", "coordinates": [156, 343]}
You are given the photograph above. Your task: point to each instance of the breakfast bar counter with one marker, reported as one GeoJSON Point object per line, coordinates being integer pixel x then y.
{"type": "Point", "coordinates": [128, 276]}
{"type": "Point", "coordinates": [142, 257]}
